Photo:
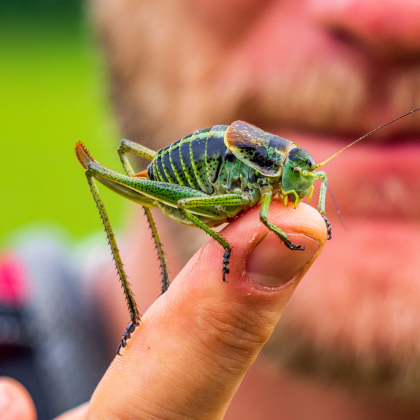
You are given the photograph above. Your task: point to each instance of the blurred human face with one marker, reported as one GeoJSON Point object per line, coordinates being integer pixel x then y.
{"type": "Point", "coordinates": [320, 73]}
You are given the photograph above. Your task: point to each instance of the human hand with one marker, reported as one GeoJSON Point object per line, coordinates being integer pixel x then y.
{"type": "Point", "coordinates": [197, 341]}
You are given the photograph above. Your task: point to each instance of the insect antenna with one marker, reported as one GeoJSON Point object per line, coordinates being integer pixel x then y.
{"type": "Point", "coordinates": [340, 216]}
{"type": "Point", "coordinates": [368, 134]}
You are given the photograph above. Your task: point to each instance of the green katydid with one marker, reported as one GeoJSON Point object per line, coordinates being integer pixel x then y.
{"type": "Point", "coordinates": [206, 179]}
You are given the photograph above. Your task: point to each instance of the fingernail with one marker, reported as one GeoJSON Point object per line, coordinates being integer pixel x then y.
{"type": "Point", "coordinates": [271, 264]}
{"type": "Point", "coordinates": [4, 399]}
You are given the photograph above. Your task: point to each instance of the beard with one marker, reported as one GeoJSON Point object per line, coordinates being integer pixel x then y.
{"type": "Point", "coordinates": [164, 86]}
{"type": "Point", "coordinates": [353, 321]}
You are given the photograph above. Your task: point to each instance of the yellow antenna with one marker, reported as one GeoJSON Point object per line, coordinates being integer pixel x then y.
{"type": "Point", "coordinates": [368, 134]}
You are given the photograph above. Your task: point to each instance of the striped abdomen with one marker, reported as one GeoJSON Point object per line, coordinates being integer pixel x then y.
{"type": "Point", "coordinates": [194, 161]}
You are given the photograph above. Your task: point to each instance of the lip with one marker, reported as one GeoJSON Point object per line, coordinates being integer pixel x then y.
{"type": "Point", "coordinates": [373, 179]}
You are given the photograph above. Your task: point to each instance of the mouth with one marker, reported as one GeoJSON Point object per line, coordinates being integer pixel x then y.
{"type": "Point", "coordinates": [378, 178]}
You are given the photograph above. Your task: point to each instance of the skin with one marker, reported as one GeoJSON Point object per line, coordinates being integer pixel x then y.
{"type": "Point", "coordinates": [321, 74]}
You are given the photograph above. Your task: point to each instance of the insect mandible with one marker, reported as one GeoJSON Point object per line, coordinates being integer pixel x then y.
{"type": "Point", "coordinates": [206, 179]}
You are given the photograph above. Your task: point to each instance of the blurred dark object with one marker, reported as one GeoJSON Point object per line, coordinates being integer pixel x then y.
{"type": "Point", "coordinates": [17, 358]}
{"type": "Point", "coordinates": [51, 337]}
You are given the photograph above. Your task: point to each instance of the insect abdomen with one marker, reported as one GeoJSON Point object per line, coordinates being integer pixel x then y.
{"type": "Point", "coordinates": [193, 161]}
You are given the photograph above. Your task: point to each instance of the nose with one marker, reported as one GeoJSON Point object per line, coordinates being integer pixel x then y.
{"type": "Point", "coordinates": [387, 28]}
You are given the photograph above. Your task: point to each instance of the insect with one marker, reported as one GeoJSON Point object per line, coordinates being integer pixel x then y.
{"type": "Point", "coordinates": [206, 179]}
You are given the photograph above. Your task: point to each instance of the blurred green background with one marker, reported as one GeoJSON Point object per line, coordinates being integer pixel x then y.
{"type": "Point", "coordinates": [52, 94]}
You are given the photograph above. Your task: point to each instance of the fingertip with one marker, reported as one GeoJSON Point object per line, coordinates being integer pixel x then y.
{"type": "Point", "coordinates": [305, 220]}
{"type": "Point", "coordinates": [15, 401]}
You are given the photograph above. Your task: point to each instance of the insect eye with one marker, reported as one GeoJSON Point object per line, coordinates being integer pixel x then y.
{"type": "Point", "coordinates": [297, 171]}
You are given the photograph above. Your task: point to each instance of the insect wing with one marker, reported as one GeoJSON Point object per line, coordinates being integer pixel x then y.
{"type": "Point", "coordinates": [256, 148]}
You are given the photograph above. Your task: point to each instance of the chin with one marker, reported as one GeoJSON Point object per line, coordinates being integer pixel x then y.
{"type": "Point", "coordinates": [355, 318]}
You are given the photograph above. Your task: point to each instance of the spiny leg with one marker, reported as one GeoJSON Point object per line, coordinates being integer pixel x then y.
{"type": "Point", "coordinates": [321, 201]}
{"type": "Point", "coordinates": [217, 200]}
{"type": "Point", "coordinates": [265, 206]}
{"type": "Point", "coordinates": [159, 248]}
{"type": "Point", "coordinates": [128, 146]}
{"type": "Point", "coordinates": [132, 305]}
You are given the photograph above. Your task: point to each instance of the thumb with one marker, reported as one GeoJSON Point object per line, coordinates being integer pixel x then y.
{"type": "Point", "coordinates": [15, 401]}
{"type": "Point", "coordinates": [197, 341]}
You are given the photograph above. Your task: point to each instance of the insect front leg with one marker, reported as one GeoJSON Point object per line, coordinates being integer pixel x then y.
{"type": "Point", "coordinates": [321, 201]}
{"type": "Point", "coordinates": [266, 195]}
{"type": "Point", "coordinates": [132, 305]}
{"type": "Point", "coordinates": [216, 200]}
{"type": "Point", "coordinates": [128, 146]}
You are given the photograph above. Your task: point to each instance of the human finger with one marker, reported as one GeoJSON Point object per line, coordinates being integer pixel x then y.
{"type": "Point", "coordinates": [197, 341]}
{"type": "Point", "coordinates": [15, 401]}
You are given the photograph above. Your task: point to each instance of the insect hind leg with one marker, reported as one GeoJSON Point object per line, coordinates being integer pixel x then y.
{"type": "Point", "coordinates": [131, 303]}
{"type": "Point", "coordinates": [128, 146]}
{"type": "Point", "coordinates": [127, 334]}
